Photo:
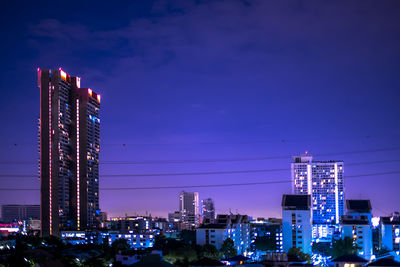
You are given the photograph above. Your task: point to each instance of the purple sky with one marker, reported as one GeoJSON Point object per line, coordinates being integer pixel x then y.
{"type": "Point", "coordinates": [209, 80]}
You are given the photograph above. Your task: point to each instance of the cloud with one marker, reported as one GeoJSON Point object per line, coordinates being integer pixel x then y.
{"type": "Point", "coordinates": [219, 35]}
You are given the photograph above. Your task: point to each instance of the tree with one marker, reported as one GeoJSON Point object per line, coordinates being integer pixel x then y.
{"type": "Point", "coordinates": [323, 248]}
{"type": "Point", "coordinates": [181, 254]}
{"type": "Point", "coordinates": [344, 246]}
{"type": "Point", "coordinates": [265, 243]}
{"type": "Point", "coordinates": [300, 254]}
{"type": "Point", "coordinates": [120, 244]}
{"type": "Point", "coordinates": [210, 251]}
{"type": "Point", "coordinates": [188, 237]}
{"type": "Point", "coordinates": [96, 262]}
{"type": "Point", "coordinates": [228, 249]}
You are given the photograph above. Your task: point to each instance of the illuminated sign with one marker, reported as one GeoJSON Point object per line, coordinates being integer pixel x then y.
{"type": "Point", "coordinates": [63, 74]}
{"type": "Point", "coordinates": [98, 98]}
{"type": "Point", "coordinates": [90, 92]}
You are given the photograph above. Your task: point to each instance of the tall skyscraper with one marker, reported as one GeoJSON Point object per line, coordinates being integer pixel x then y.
{"type": "Point", "coordinates": [189, 208]}
{"type": "Point", "coordinates": [323, 180]}
{"type": "Point", "coordinates": [69, 129]}
{"type": "Point", "coordinates": [207, 210]}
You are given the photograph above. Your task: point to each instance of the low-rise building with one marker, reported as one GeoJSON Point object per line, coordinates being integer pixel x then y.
{"type": "Point", "coordinates": [349, 261]}
{"type": "Point", "coordinates": [233, 226]}
{"type": "Point", "coordinates": [270, 230]}
{"type": "Point", "coordinates": [131, 223]}
{"type": "Point", "coordinates": [135, 240]}
{"type": "Point", "coordinates": [356, 224]}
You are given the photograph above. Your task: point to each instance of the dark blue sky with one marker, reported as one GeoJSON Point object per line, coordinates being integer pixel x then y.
{"type": "Point", "coordinates": [211, 79]}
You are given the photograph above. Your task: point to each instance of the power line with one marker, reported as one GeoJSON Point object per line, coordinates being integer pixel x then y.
{"type": "Point", "coordinates": [263, 141]}
{"type": "Point", "coordinates": [183, 161]}
{"type": "Point", "coordinates": [200, 173]}
{"type": "Point", "coordinates": [205, 186]}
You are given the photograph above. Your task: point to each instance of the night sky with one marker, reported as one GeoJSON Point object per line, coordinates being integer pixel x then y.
{"type": "Point", "coordinates": [184, 80]}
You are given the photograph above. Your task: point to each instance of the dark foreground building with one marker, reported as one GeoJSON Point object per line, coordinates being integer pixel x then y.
{"type": "Point", "coordinates": [69, 130]}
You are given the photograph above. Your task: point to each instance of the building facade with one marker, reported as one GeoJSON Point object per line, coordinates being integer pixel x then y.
{"type": "Point", "coordinates": [390, 232]}
{"type": "Point", "coordinates": [69, 136]}
{"type": "Point", "coordinates": [11, 213]}
{"type": "Point", "coordinates": [296, 222]}
{"type": "Point", "coordinates": [357, 225]}
{"type": "Point", "coordinates": [233, 226]}
{"type": "Point", "coordinates": [131, 223]}
{"type": "Point", "coordinates": [207, 210]}
{"type": "Point", "coordinates": [270, 230]}
{"type": "Point", "coordinates": [189, 209]}
{"type": "Point", "coordinates": [323, 180]}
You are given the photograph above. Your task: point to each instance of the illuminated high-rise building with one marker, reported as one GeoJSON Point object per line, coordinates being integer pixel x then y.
{"type": "Point", "coordinates": [189, 209]}
{"type": "Point", "coordinates": [69, 130]}
{"type": "Point", "coordinates": [323, 180]}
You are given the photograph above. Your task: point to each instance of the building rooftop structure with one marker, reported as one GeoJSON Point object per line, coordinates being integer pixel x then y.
{"type": "Point", "coordinates": [296, 202]}
{"type": "Point", "coordinates": [358, 206]}
{"type": "Point", "coordinates": [225, 219]}
{"type": "Point", "coordinates": [358, 220]}
{"type": "Point", "coordinates": [394, 219]}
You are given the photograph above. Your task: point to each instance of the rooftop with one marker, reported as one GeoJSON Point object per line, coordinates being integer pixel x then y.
{"type": "Point", "coordinates": [391, 220]}
{"type": "Point", "coordinates": [385, 262]}
{"type": "Point", "coordinates": [296, 202]}
{"type": "Point", "coordinates": [359, 206]}
{"type": "Point", "coordinates": [350, 258]}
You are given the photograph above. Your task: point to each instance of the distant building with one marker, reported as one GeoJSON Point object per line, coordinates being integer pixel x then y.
{"type": "Point", "coordinates": [160, 223]}
{"type": "Point", "coordinates": [174, 220]}
{"type": "Point", "coordinates": [135, 240]}
{"type": "Point", "coordinates": [207, 210]}
{"type": "Point", "coordinates": [33, 225]}
{"type": "Point", "coordinates": [189, 209]}
{"type": "Point", "coordinates": [19, 212]}
{"type": "Point", "coordinates": [323, 180]}
{"type": "Point", "coordinates": [296, 222]}
{"type": "Point", "coordinates": [390, 232]}
{"type": "Point", "coordinates": [131, 223]}
{"type": "Point", "coordinates": [69, 134]}
{"type": "Point", "coordinates": [357, 225]}
{"type": "Point", "coordinates": [233, 226]}
{"type": "Point", "coordinates": [270, 229]}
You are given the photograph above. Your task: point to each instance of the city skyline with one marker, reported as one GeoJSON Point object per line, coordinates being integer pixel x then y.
{"type": "Point", "coordinates": [211, 93]}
